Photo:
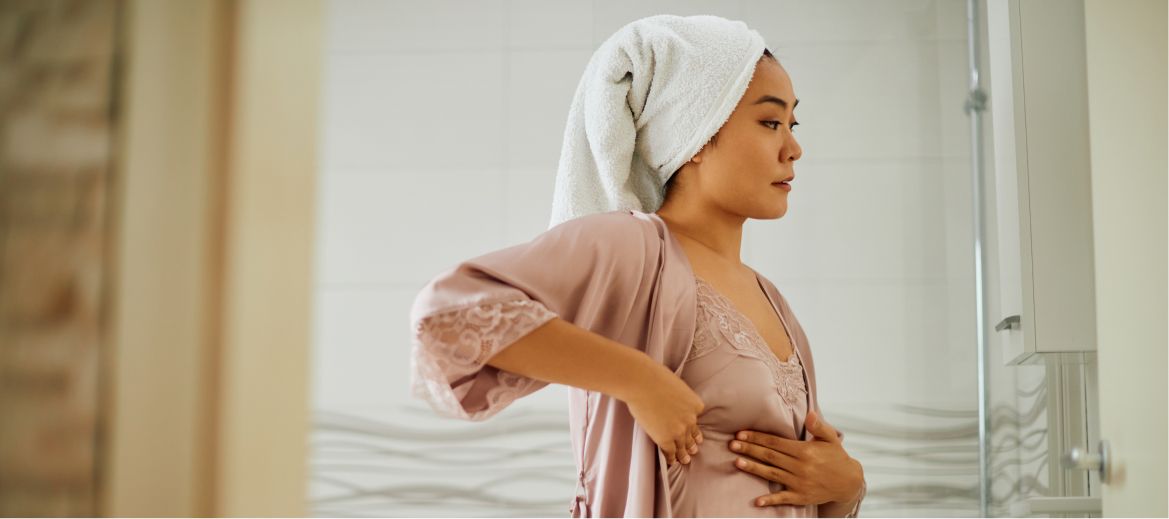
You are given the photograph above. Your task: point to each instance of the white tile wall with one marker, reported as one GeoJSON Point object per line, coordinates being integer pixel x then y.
{"type": "Point", "coordinates": [611, 15]}
{"type": "Point", "coordinates": [806, 22]}
{"type": "Point", "coordinates": [415, 26]}
{"type": "Point", "coordinates": [414, 111]}
{"type": "Point", "coordinates": [442, 127]}
{"type": "Point", "coordinates": [352, 367]}
{"type": "Point", "coordinates": [549, 25]}
{"type": "Point", "coordinates": [540, 86]}
{"type": "Point", "coordinates": [857, 222]}
{"type": "Point", "coordinates": [397, 228]}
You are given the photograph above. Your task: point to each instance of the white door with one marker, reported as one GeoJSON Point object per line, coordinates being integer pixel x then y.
{"type": "Point", "coordinates": [1126, 58]}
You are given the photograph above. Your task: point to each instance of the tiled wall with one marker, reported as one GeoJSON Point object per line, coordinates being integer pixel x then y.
{"type": "Point", "coordinates": [441, 131]}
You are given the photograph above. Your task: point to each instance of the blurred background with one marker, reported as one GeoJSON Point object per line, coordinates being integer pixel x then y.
{"type": "Point", "coordinates": [215, 216]}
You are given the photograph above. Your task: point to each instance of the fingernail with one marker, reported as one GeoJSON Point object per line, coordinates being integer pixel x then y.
{"type": "Point", "coordinates": [686, 459]}
{"type": "Point", "coordinates": [742, 436]}
{"type": "Point", "coordinates": [736, 446]}
{"type": "Point", "coordinates": [741, 463]}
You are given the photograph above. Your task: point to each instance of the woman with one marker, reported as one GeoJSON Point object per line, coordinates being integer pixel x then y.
{"type": "Point", "coordinates": [672, 347]}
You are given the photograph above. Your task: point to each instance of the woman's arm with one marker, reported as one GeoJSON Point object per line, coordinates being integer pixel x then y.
{"type": "Point", "coordinates": [661, 402]}
{"type": "Point", "coordinates": [561, 352]}
{"type": "Point", "coordinates": [482, 336]}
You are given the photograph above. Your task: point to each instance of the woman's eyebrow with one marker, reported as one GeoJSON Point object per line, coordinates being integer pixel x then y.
{"type": "Point", "coordinates": [772, 99]}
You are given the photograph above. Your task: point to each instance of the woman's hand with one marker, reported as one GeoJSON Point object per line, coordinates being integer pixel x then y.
{"type": "Point", "coordinates": [814, 472]}
{"type": "Point", "coordinates": [668, 410]}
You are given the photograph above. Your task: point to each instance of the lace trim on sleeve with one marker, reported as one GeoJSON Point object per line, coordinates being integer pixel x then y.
{"type": "Point", "coordinates": [451, 349]}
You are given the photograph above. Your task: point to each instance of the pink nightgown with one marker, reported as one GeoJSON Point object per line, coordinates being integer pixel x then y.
{"type": "Point", "coordinates": [743, 386]}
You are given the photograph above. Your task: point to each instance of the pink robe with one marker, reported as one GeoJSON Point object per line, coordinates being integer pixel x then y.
{"type": "Point", "coordinates": [619, 274]}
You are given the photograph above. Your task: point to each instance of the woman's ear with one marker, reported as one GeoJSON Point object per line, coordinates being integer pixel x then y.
{"type": "Point", "coordinates": [697, 158]}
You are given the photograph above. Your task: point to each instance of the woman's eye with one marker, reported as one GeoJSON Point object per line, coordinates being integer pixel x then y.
{"type": "Point", "coordinates": [777, 123]}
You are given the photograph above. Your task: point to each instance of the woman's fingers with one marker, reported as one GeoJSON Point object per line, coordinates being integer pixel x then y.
{"type": "Point", "coordinates": [683, 454]}
{"type": "Point", "coordinates": [670, 459]}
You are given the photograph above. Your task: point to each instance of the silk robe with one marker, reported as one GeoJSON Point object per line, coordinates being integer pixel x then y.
{"type": "Point", "coordinates": [620, 274]}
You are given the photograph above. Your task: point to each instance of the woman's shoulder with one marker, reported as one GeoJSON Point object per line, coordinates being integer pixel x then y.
{"type": "Point", "coordinates": [619, 227]}
{"type": "Point", "coordinates": [781, 301]}
{"type": "Point", "coordinates": [772, 289]}
{"type": "Point", "coordinates": [615, 218]}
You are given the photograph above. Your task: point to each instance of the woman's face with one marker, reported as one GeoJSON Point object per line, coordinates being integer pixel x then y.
{"type": "Point", "coordinates": [755, 150]}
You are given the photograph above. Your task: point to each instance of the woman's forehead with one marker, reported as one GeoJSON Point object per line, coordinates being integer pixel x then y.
{"type": "Point", "coordinates": [773, 81]}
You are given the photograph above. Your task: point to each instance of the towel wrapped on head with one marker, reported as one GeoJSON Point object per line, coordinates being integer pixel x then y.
{"type": "Point", "coordinates": [652, 95]}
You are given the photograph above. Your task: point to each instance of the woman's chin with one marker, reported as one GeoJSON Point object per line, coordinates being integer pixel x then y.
{"type": "Point", "coordinates": [780, 209]}
{"type": "Point", "coordinates": [772, 213]}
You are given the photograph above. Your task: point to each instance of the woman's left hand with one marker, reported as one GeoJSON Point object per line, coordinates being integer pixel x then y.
{"type": "Point", "coordinates": [814, 472]}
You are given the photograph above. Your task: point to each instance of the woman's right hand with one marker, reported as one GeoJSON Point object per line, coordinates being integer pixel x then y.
{"type": "Point", "coordinates": [668, 410]}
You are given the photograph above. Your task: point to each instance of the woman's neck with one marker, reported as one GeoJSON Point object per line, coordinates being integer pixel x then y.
{"type": "Point", "coordinates": [719, 236]}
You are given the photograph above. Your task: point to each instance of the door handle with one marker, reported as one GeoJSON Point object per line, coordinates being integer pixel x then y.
{"type": "Point", "coordinates": [1078, 459]}
{"type": "Point", "coordinates": [1010, 322]}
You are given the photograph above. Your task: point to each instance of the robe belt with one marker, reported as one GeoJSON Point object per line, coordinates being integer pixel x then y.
{"type": "Point", "coordinates": [579, 507]}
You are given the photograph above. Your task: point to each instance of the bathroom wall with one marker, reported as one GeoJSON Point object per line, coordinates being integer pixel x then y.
{"type": "Point", "coordinates": [440, 135]}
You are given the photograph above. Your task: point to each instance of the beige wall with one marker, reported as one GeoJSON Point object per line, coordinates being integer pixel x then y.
{"type": "Point", "coordinates": [208, 386]}
{"type": "Point", "coordinates": [56, 60]}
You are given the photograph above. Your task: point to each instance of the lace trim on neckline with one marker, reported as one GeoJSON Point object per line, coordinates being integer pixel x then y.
{"type": "Point", "coordinates": [720, 316]}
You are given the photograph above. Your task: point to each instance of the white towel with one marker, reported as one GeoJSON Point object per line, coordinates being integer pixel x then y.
{"type": "Point", "coordinates": [651, 96]}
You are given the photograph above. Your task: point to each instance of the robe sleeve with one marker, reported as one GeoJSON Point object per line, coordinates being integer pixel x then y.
{"type": "Point", "coordinates": [450, 351]}
{"type": "Point", "coordinates": [576, 271]}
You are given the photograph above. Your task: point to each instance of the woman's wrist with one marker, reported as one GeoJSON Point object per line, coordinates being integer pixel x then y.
{"type": "Point", "coordinates": [638, 376]}
{"type": "Point", "coordinates": [844, 507]}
